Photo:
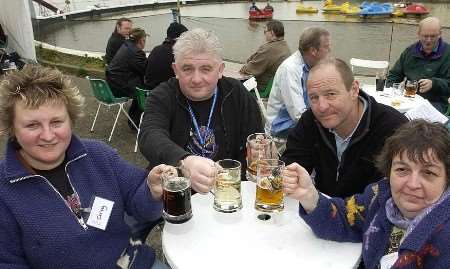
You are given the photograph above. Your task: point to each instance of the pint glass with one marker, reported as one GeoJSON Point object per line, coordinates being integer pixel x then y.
{"type": "Point", "coordinates": [227, 187]}
{"type": "Point", "coordinates": [259, 146]}
{"type": "Point", "coordinates": [269, 194]}
{"type": "Point", "coordinates": [176, 195]}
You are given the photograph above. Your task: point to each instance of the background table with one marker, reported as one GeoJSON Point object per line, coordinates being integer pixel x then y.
{"type": "Point", "coordinates": [386, 98]}
{"type": "Point", "coordinates": [240, 240]}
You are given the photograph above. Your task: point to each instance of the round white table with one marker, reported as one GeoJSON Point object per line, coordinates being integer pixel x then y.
{"type": "Point", "coordinates": [240, 240]}
{"type": "Point", "coordinates": [386, 97]}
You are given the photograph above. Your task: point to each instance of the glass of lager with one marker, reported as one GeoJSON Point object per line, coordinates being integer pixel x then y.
{"type": "Point", "coordinates": [259, 146]}
{"type": "Point", "coordinates": [176, 195]}
{"type": "Point", "coordinates": [269, 194]}
{"type": "Point", "coordinates": [227, 186]}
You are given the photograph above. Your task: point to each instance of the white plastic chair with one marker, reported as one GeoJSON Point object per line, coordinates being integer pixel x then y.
{"type": "Point", "coordinates": [355, 62]}
{"type": "Point", "coordinates": [251, 85]}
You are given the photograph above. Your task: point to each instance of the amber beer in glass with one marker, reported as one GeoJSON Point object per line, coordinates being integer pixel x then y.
{"type": "Point", "coordinates": [176, 195]}
{"type": "Point", "coordinates": [259, 146]}
{"type": "Point", "coordinates": [269, 194]}
{"type": "Point", "coordinates": [227, 186]}
{"type": "Point", "coordinates": [411, 88]}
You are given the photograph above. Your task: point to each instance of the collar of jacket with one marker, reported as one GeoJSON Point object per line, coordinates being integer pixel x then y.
{"type": "Point", "coordinates": [14, 170]}
{"type": "Point", "coordinates": [224, 88]}
{"type": "Point", "coordinates": [417, 51]}
{"type": "Point", "coordinates": [362, 129]}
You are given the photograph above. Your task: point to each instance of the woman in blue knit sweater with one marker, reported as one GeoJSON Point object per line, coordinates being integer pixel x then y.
{"type": "Point", "coordinates": [63, 199]}
{"type": "Point", "coordinates": [403, 221]}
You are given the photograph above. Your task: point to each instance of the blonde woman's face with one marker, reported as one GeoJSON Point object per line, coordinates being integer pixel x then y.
{"type": "Point", "coordinates": [44, 133]}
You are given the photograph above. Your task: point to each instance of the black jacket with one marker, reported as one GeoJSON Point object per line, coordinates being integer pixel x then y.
{"type": "Point", "coordinates": [126, 70]}
{"type": "Point", "coordinates": [314, 147]}
{"type": "Point", "coordinates": [115, 41]}
{"type": "Point", "coordinates": [159, 65]}
{"type": "Point", "coordinates": [166, 124]}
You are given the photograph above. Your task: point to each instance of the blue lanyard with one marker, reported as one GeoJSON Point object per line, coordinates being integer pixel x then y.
{"type": "Point", "coordinates": [194, 120]}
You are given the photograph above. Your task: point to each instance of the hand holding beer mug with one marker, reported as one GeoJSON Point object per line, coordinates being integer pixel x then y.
{"type": "Point", "coordinates": [259, 146]}
{"type": "Point", "coordinates": [269, 194]}
{"type": "Point", "coordinates": [411, 88]}
{"type": "Point", "coordinates": [176, 195]}
{"type": "Point", "coordinates": [227, 186]}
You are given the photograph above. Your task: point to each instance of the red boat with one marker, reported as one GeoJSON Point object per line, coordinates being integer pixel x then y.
{"type": "Point", "coordinates": [416, 9]}
{"type": "Point", "coordinates": [257, 14]}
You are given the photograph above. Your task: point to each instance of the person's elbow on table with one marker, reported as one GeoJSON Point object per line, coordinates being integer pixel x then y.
{"type": "Point", "coordinates": [298, 185]}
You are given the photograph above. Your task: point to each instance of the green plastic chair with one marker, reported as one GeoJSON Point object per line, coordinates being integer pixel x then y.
{"type": "Point", "coordinates": [105, 97]}
{"type": "Point", "coordinates": [266, 92]}
{"type": "Point", "coordinates": [141, 96]}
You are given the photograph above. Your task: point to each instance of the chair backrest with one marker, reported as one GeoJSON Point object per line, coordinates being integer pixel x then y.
{"type": "Point", "coordinates": [354, 62]}
{"type": "Point", "coordinates": [101, 90]}
{"type": "Point", "coordinates": [251, 85]}
{"type": "Point", "coordinates": [141, 95]}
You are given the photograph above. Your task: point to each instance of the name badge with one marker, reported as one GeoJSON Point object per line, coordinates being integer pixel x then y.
{"type": "Point", "coordinates": [100, 213]}
{"type": "Point", "coordinates": [387, 261]}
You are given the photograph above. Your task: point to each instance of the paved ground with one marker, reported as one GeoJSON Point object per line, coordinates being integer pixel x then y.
{"type": "Point", "coordinates": [123, 140]}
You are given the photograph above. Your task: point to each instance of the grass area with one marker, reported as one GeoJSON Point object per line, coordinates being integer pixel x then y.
{"type": "Point", "coordinates": [76, 65]}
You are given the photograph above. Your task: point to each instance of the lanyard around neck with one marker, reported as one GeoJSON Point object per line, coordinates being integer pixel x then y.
{"type": "Point", "coordinates": [194, 120]}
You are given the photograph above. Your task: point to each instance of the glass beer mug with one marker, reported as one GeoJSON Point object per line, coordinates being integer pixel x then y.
{"type": "Point", "coordinates": [259, 146]}
{"type": "Point", "coordinates": [227, 186]}
{"type": "Point", "coordinates": [269, 193]}
{"type": "Point", "coordinates": [176, 195]}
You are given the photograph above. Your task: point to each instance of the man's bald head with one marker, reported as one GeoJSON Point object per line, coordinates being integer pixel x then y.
{"type": "Point", "coordinates": [429, 34]}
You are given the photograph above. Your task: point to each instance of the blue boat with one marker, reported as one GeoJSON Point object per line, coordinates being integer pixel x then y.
{"type": "Point", "coordinates": [376, 9]}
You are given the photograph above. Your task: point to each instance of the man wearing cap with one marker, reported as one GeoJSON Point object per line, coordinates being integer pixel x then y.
{"type": "Point", "coordinates": [428, 62]}
{"type": "Point", "coordinates": [126, 70]}
{"type": "Point", "coordinates": [159, 62]}
{"type": "Point", "coordinates": [115, 41]}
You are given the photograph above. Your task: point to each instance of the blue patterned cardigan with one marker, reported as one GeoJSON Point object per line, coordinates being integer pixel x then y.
{"type": "Point", "coordinates": [362, 218]}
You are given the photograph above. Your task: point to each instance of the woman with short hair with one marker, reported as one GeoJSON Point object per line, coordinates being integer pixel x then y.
{"type": "Point", "coordinates": [403, 221]}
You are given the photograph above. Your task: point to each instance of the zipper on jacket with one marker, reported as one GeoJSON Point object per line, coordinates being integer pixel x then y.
{"type": "Point", "coordinates": [80, 219]}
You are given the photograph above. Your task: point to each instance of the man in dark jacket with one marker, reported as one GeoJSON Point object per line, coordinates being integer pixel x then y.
{"type": "Point", "coordinates": [126, 70]}
{"type": "Point", "coordinates": [199, 116]}
{"type": "Point", "coordinates": [340, 134]}
{"type": "Point", "coordinates": [428, 62]}
{"type": "Point", "coordinates": [115, 41]}
{"type": "Point", "coordinates": [159, 62]}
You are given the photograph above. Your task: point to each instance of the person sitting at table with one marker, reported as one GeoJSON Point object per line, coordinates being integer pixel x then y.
{"type": "Point", "coordinates": [127, 69]}
{"type": "Point", "coordinates": [199, 116]}
{"type": "Point", "coordinates": [340, 134]}
{"type": "Point", "coordinates": [428, 62]}
{"type": "Point", "coordinates": [159, 62]}
{"type": "Point", "coordinates": [62, 198]}
{"type": "Point", "coordinates": [288, 99]}
{"type": "Point", "coordinates": [115, 41]}
{"type": "Point", "coordinates": [264, 62]}
{"type": "Point", "coordinates": [403, 221]}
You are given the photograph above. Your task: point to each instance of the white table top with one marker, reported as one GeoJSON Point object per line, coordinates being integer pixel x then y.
{"type": "Point", "coordinates": [240, 240]}
{"type": "Point", "coordinates": [232, 70]}
{"type": "Point", "coordinates": [386, 97]}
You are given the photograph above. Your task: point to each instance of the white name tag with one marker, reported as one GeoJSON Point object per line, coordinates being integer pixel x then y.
{"type": "Point", "coordinates": [100, 213]}
{"type": "Point", "coordinates": [387, 261]}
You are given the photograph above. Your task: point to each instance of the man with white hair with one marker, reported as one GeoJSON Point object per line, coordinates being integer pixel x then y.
{"type": "Point", "coordinates": [199, 116]}
{"type": "Point", "coordinates": [428, 62]}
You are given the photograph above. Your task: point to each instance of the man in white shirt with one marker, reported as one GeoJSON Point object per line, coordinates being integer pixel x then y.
{"type": "Point", "coordinates": [288, 98]}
